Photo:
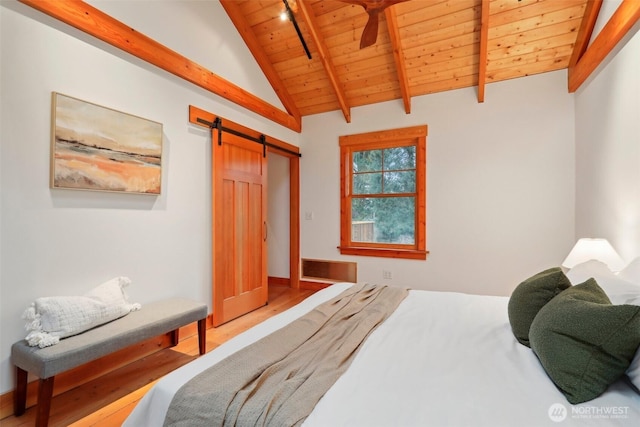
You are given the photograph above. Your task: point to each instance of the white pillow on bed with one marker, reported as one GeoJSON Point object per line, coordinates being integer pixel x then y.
{"type": "Point", "coordinates": [631, 273]}
{"type": "Point", "coordinates": [617, 287]}
{"type": "Point", "coordinates": [51, 318]}
{"type": "Point", "coordinates": [633, 372]}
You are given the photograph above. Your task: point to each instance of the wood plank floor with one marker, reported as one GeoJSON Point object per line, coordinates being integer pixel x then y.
{"type": "Point", "coordinates": [108, 400]}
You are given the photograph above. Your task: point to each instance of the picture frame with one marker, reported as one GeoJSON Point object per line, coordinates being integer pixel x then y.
{"type": "Point", "coordinates": [102, 149]}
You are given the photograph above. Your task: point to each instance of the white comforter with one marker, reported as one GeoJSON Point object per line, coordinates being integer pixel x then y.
{"type": "Point", "coordinates": [442, 359]}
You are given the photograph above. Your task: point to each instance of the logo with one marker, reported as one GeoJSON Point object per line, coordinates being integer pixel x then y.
{"type": "Point", "coordinates": [557, 412]}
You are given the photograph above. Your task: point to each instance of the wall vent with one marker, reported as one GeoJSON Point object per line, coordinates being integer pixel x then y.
{"type": "Point", "coordinates": [333, 271]}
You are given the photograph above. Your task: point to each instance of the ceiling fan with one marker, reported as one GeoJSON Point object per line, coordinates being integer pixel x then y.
{"type": "Point", "coordinates": [373, 9]}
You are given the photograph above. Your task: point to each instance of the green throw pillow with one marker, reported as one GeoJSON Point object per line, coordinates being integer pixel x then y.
{"type": "Point", "coordinates": [584, 342]}
{"type": "Point", "coordinates": [530, 296]}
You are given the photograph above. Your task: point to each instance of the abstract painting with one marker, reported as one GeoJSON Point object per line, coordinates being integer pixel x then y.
{"type": "Point", "coordinates": [97, 148]}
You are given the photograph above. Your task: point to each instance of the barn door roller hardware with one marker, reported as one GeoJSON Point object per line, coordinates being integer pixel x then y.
{"type": "Point", "coordinates": [262, 139]}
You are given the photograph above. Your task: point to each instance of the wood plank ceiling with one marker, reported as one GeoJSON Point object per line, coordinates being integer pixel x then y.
{"type": "Point", "coordinates": [423, 47]}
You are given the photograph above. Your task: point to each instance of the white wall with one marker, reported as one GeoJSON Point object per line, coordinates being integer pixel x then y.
{"type": "Point", "coordinates": [500, 184]}
{"type": "Point", "coordinates": [278, 216]}
{"type": "Point", "coordinates": [199, 30]}
{"type": "Point", "coordinates": [62, 242]}
{"type": "Point", "coordinates": [608, 152]}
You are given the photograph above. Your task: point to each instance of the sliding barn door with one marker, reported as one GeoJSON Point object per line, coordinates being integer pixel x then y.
{"type": "Point", "coordinates": [239, 227]}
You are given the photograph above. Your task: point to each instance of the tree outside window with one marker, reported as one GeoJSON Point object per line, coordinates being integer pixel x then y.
{"type": "Point", "coordinates": [383, 193]}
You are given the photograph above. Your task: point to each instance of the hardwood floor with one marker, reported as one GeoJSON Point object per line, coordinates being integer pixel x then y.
{"type": "Point", "coordinates": [109, 399]}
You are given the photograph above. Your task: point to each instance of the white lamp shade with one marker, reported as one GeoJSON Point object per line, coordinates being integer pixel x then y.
{"type": "Point", "coordinates": [599, 249]}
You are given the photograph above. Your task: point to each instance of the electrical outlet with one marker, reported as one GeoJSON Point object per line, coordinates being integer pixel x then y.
{"type": "Point", "coordinates": [386, 274]}
{"type": "Point", "coordinates": [308, 216]}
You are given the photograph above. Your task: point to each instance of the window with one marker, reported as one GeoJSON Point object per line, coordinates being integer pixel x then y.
{"type": "Point", "coordinates": [382, 192]}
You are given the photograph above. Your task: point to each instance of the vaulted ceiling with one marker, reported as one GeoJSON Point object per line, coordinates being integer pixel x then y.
{"type": "Point", "coordinates": [422, 47]}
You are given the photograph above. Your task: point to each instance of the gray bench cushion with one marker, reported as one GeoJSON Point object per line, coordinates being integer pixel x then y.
{"type": "Point", "coordinates": [152, 320]}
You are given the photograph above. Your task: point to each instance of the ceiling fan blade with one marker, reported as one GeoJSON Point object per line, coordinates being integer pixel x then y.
{"type": "Point", "coordinates": [373, 8]}
{"type": "Point", "coordinates": [373, 4]}
{"type": "Point", "coordinates": [370, 32]}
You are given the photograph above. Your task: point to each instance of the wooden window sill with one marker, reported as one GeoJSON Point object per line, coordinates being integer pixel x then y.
{"type": "Point", "coordinates": [382, 252]}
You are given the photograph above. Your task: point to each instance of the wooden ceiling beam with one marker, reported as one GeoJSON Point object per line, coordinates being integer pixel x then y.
{"type": "Point", "coordinates": [244, 28]}
{"type": "Point", "coordinates": [585, 31]}
{"type": "Point", "coordinates": [325, 57]}
{"type": "Point", "coordinates": [398, 56]}
{"type": "Point", "coordinates": [98, 24]}
{"type": "Point", "coordinates": [622, 20]}
{"type": "Point", "coordinates": [482, 59]}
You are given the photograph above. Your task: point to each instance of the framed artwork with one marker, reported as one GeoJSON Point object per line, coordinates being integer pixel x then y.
{"type": "Point", "coordinates": [97, 148]}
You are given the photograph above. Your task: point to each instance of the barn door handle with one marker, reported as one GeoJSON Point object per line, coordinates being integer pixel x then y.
{"type": "Point", "coordinates": [265, 231]}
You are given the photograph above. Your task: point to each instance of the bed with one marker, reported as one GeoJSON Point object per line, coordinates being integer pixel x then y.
{"type": "Point", "coordinates": [439, 359]}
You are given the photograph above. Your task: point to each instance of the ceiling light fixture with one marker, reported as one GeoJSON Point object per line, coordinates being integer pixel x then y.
{"type": "Point", "coordinates": [288, 13]}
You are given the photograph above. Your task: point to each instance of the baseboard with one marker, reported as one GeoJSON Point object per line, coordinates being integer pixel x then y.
{"type": "Point", "coordinates": [304, 284]}
{"type": "Point", "coordinates": [313, 286]}
{"type": "Point", "coordinates": [279, 281]}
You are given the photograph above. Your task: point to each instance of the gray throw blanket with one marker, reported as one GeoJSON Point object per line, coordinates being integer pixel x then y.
{"type": "Point", "coordinates": [278, 380]}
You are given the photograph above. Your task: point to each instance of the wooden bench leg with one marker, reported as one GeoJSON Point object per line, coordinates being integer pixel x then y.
{"type": "Point", "coordinates": [175, 337]}
{"type": "Point", "coordinates": [20, 396]}
{"type": "Point", "coordinates": [45, 394]}
{"type": "Point", "coordinates": [202, 335]}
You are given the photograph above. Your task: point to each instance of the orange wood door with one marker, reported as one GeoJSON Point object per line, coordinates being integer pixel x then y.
{"type": "Point", "coordinates": [239, 227]}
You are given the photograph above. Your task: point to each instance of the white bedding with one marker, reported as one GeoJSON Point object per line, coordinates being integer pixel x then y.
{"type": "Point", "coordinates": [442, 359]}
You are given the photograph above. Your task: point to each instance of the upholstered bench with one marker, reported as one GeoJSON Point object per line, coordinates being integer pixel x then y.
{"type": "Point", "coordinates": [153, 319]}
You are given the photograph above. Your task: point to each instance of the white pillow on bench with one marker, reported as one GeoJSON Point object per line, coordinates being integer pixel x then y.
{"type": "Point", "coordinates": [51, 318]}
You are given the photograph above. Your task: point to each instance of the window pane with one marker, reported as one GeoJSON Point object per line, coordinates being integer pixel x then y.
{"type": "Point", "coordinates": [367, 183]}
{"type": "Point", "coordinates": [367, 161]}
{"type": "Point", "coordinates": [383, 220]}
{"type": "Point", "coordinates": [400, 158]}
{"type": "Point", "coordinates": [399, 182]}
